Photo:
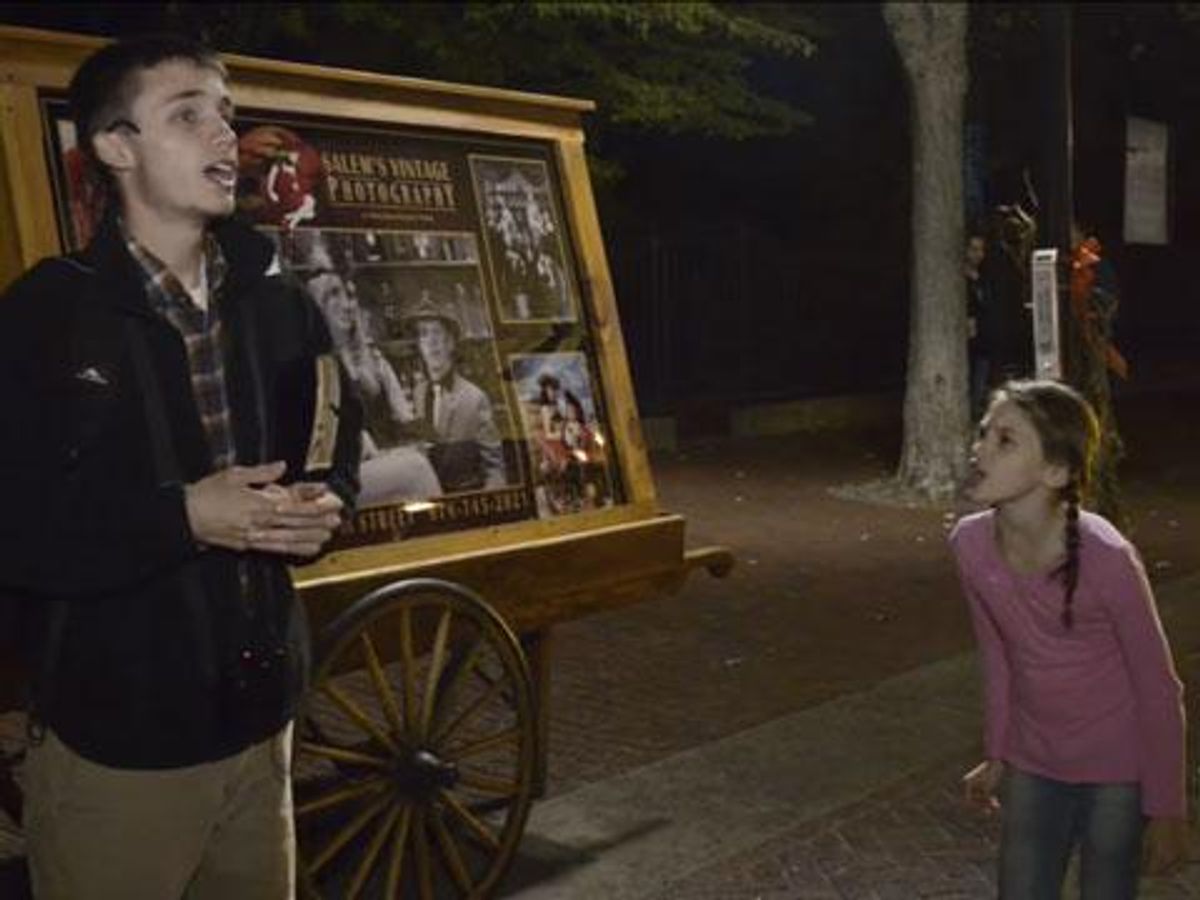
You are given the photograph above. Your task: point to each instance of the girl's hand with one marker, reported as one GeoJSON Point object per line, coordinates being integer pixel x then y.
{"type": "Point", "coordinates": [981, 783]}
{"type": "Point", "coordinates": [1164, 846]}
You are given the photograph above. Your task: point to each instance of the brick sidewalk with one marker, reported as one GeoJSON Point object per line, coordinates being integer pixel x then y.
{"type": "Point", "coordinates": [913, 839]}
{"type": "Point", "coordinates": [854, 799]}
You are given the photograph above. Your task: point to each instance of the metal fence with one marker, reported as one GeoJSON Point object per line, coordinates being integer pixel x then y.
{"type": "Point", "coordinates": [732, 315]}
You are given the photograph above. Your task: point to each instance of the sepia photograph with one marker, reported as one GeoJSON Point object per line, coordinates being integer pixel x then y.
{"type": "Point", "coordinates": [566, 439]}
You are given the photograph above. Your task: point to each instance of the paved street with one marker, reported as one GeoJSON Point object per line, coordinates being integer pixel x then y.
{"type": "Point", "coordinates": [856, 798]}
{"type": "Point", "coordinates": [798, 731]}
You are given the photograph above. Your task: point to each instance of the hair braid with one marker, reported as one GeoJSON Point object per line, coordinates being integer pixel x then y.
{"type": "Point", "coordinates": [1070, 568]}
{"type": "Point", "coordinates": [1069, 433]}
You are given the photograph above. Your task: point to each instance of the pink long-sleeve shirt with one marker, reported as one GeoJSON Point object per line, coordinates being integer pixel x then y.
{"type": "Point", "coordinates": [1097, 703]}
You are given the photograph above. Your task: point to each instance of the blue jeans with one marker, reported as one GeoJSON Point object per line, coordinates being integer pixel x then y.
{"type": "Point", "coordinates": [1043, 822]}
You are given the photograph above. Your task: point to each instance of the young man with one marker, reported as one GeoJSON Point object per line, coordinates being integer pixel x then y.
{"type": "Point", "coordinates": [159, 388]}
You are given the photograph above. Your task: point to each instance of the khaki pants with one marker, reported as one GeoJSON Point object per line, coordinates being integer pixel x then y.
{"type": "Point", "coordinates": [216, 831]}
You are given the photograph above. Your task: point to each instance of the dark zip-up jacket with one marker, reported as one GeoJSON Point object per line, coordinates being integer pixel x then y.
{"type": "Point", "coordinates": [151, 651]}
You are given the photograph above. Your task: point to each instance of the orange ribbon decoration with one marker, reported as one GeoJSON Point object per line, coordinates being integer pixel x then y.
{"type": "Point", "coordinates": [1083, 282]}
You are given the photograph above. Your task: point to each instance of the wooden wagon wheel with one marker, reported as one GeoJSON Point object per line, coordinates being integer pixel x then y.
{"type": "Point", "coordinates": [415, 754]}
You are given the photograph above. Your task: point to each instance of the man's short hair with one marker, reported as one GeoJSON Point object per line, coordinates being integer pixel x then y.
{"type": "Point", "coordinates": [104, 85]}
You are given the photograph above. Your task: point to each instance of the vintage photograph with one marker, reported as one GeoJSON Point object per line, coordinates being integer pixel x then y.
{"type": "Point", "coordinates": [525, 240]}
{"type": "Point", "coordinates": [418, 343]}
{"type": "Point", "coordinates": [563, 430]}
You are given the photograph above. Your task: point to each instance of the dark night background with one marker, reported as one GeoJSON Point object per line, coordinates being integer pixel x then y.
{"type": "Point", "coordinates": [778, 268]}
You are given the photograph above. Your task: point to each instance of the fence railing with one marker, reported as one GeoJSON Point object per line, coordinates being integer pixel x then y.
{"type": "Point", "coordinates": [735, 315]}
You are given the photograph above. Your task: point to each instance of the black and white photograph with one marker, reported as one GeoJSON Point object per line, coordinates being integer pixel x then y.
{"type": "Point", "coordinates": [418, 344]}
{"type": "Point", "coordinates": [524, 236]}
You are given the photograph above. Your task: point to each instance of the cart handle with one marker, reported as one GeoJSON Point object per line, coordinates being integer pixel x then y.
{"type": "Point", "coordinates": [718, 561]}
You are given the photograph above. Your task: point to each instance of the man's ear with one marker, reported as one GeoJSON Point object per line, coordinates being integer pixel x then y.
{"type": "Point", "coordinates": [113, 150]}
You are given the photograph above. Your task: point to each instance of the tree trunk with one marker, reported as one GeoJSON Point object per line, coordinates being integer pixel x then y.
{"type": "Point", "coordinates": [931, 40]}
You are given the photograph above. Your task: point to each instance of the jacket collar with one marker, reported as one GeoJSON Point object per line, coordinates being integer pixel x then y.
{"type": "Point", "coordinates": [247, 254]}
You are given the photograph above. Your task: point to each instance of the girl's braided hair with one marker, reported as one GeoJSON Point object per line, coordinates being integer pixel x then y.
{"type": "Point", "coordinates": [1070, 433]}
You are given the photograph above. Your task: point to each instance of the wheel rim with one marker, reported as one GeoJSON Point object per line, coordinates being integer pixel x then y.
{"type": "Point", "coordinates": [415, 754]}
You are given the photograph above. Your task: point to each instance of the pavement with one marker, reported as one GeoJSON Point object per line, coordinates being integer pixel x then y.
{"type": "Point", "coordinates": [800, 729]}
{"type": "Point", "coordinates": [855, 798]}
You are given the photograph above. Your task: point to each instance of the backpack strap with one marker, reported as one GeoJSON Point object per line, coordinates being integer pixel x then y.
{"type": "Point", "coordinates": [166, 466]}
{"type": "Point", "coordinates": [89, 340]}
{"type": "Point", "coordinates": [103, 341]}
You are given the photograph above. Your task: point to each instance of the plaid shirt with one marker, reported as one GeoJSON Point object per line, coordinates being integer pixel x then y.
{"type": "Point", "coordinates": [201, 332]}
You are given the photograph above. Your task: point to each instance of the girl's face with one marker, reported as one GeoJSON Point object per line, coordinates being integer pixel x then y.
{"type": "Point", "coordinates": [1007, 460]}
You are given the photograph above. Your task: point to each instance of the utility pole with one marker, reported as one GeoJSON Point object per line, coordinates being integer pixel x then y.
{"type": "Point", "coordinates": [1057, 143]}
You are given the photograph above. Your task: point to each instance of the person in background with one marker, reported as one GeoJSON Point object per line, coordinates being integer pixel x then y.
{"type": "Point", "coordinates": [980, 325]}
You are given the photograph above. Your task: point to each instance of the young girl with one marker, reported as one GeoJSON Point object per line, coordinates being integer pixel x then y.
{"type": "Point", "coordinates": [1083, 718]}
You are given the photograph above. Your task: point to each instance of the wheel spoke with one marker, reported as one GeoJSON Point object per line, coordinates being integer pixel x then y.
{"type": "Point", "coordinates": [396, 862]}
{"type": "Point", "coordinates": [342, 795]}
{"type": "Point", "coordinates": [446, 695]}
{"type": "Point", "coordinates": [486, 784]}
{"type": "Point", "coordinates": [471, 711]}
{"type": "Point", "coordinates": [386, 698]}
{"type": "Point", "coordinates": [454, 860]}
{"type": "Point", "coordinates": [408, 670]}
{"type": "Point", "coordinates": [424, 858]}
{"type": "Point", "coordinates": [359, 717]}
{"type": "Point", "coordinates": [352, 828]}
{"type": "Point", "coordinates": [345, 755]}
{"type": "Point", "coordinates": [435, 671]}
{"type": "Point", "coordinates": [308, 728]}
{"type": "Point", "coordinates": [499, 739]}
{"type": "Point", "coordinates": [472, 822]}
{"type": "Point", "coordinates": [367, 863]}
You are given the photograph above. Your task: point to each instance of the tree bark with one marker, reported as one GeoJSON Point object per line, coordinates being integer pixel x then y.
{"type": "Point", "coordinates": [931, 40]}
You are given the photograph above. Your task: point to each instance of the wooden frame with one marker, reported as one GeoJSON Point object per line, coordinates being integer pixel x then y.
{"type": "Point", "coordinates": [613, 547]}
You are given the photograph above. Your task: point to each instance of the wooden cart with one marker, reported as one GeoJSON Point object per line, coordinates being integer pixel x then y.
{"type": "Point", "coordinates": [424, 739]}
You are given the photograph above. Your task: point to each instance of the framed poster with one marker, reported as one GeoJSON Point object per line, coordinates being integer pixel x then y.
{"type": "Point", "coordinates": [443, 266]}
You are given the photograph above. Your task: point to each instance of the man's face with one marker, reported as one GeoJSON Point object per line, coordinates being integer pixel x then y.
{"type": "Point", "coordinates": [178, 161]}
{"type": "Point", "coordinates": [436, 344]}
